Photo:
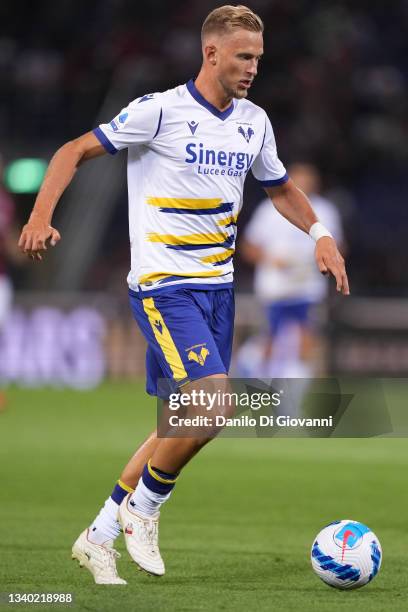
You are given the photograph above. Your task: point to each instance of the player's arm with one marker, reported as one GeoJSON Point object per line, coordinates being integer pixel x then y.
{"type": "Point", "coordinates": [60, 173]}
{"type": "Point", "coordinates": [293, 204]}
{"type": "Point", "coordinates": [254, 254]}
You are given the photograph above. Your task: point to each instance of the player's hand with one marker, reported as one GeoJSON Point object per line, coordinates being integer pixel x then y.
{"type": "Point", "coordinates": [34, 237]}
{"type": "Point", "coordinates": [329, 259]}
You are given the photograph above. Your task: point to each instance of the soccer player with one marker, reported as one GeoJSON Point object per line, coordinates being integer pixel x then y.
{"type": "Point", "coordinates": [189, 151]}
{"type": "Point", "coordinates": [287, 282]}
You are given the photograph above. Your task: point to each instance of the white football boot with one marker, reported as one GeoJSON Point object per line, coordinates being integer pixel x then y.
{"type": "Point", "coordinates": [142, 538]}
{"type": "Point", "coordinates": [100, 560]}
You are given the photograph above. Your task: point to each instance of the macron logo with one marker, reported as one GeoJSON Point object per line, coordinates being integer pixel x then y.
{"type": "Point", "coordinates": [193, 126]}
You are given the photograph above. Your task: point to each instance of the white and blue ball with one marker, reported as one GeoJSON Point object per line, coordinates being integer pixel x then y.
{"type": "Point", "coordinates": [346, 554]}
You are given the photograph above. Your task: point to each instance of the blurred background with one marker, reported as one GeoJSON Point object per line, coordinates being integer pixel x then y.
{"type": "Point", "coordinates": [334, 81]}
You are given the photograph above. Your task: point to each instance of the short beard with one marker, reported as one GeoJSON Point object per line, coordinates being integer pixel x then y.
{"type": "Point", "coordinates": [234, 93]}
{"type": "Point", "coordinates": [240, 93]}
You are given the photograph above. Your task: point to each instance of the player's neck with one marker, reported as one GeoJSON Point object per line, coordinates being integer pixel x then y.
{"type": "Point", "coordinates": [213, 92]}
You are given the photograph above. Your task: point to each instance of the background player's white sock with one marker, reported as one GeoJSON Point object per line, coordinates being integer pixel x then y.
{"type": "Point", "coordinates": [106, 526]}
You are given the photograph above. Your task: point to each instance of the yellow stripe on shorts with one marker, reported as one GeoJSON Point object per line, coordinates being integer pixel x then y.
{"type": "Point", "coordinates": [164, 339]}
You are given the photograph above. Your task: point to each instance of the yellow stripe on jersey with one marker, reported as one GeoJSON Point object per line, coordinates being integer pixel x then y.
{"type": "Point", "coordinates": [218, 256]}
{"type": "Point", "coordinates": [227, 221]}
{"type": "Point", "coordinates": [188, 239]}
{"type": "Point", "coordinates": [184, 202]}
{"type": "Point", "coordinates": [157, 276]}
{"type": "Point", "coordinates": [164, 339]}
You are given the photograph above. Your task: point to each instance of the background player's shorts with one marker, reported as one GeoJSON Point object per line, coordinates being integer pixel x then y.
{"type": "Point", "coordinates": [288, 311]}
{"type": "Point", "coordinates": [189, 335]}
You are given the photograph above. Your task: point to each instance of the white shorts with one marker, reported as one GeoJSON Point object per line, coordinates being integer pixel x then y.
{"type": "Point", "coordinates": [6, 296]}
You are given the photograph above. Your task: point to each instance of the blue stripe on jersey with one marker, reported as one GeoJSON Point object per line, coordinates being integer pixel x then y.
{"type": "Point", "coordinates": [105, 141]}
{"type": "Point", "coordinates": [263, 139]}
{"type": "Point", "coordinates": [159, 123]}
{"type": "Point", "coordinates": [224, 261]}
{"type": "Point", "coordinates": [191, 247]}
{"type": "Point", "coordinates": [201, 100]}
{"type": "Point", "coordinates": [276, 182]}
{"type": "Point", "coordinates": [224, 207]}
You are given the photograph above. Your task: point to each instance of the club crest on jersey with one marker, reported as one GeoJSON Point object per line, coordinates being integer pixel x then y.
{"type": "Point", "coordinates": [193, 125]}
{"type": "Point", "coordinates": [198, 356]}
{"type": "Point", "coordinates": [246, 134]}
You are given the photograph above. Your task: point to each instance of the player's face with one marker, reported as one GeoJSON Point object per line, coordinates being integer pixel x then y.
{"type": "Point", "coordinates": [238, 55]}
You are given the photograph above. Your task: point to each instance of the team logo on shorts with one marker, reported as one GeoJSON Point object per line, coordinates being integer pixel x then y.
{"type": "Point", "coordinates": [246, 134]}
{"type": "Point", "coordinates": [159, 326]}
{"type": "Point", "coordinates": [198, 356]}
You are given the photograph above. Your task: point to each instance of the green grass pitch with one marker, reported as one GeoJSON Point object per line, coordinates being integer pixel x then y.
{"type": "Point", "coordinates": [236, 534]}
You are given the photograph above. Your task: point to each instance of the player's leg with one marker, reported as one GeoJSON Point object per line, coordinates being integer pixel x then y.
{"type": "Point", "coordinates": [139, 512]}
{"type": "Point", "coordinates": [133, 469]}
{"type": "Point", "coordinates": [177, 328]}
{"type": "Point", "coordinates": [94, 547]}
{"type": "Point", "coordinates": [106, 526]}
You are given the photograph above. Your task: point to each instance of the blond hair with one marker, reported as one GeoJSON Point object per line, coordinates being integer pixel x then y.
{"type": "Point", "coordinates": [224, 19]}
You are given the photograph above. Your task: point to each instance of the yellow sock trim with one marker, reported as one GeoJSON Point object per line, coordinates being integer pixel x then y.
{"type": "Point", "coordinates": [125, 486]}
{"type": "Point", "coordinates": [159, 478]}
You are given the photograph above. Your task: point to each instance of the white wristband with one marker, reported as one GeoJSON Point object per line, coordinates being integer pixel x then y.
{"type": "Point", "coordinates": [318, 231]}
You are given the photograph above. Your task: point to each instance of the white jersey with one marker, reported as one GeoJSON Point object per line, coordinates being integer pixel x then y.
{"type": "Point", "coordinates": [298, 278]}
{"type": "Point", "coordinates": [187, 163]}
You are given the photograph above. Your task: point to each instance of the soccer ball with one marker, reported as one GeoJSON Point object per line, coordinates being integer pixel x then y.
{"type": "Point", "coordinates": [346, 554]}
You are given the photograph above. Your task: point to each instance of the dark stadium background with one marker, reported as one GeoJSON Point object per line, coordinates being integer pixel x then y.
{"type": "Point", "coordinates": [334, 81]}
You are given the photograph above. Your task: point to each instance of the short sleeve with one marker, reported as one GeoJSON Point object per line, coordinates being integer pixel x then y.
{"type": "Point", "coordinates": [267, 167]}
{"type": "Point", "coordinates": [137, 123]}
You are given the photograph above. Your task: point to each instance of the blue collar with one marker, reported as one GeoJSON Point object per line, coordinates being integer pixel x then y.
{"type": "Point", "coordinates": [201, 100]}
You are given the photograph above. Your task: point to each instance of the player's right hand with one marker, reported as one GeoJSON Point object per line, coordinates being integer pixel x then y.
{"type": "Point", "coordinates": [34, 237]}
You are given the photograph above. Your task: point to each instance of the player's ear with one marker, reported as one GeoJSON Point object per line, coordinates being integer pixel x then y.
{"type": "Point", "coordinates": [210, 54]}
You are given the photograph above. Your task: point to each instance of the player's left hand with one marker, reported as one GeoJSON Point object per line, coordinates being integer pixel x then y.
{"type": "Point", "coordinates": [329, 259]}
